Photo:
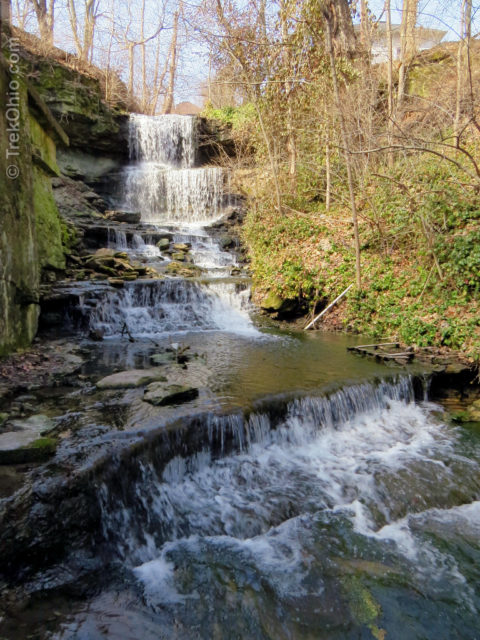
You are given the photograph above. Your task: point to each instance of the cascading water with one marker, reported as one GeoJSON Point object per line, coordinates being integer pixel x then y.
{"type": "Point", "coordinates": [287, 511]}
{"type": "Point", "coordinates": [156, 307]}
{"type": "Point", "coordinates": [165, 186]}
{"type": "Point", "coordinates": [163, 182]}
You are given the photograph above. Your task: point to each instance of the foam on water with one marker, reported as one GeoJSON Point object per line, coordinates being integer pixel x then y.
{"type": "Point", "coordinates": [149, 308]}
{"type": "Point", "coordinates": [162, 181]}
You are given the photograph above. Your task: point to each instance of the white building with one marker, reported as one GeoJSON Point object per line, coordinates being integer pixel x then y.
{"type": "Point", "coordinates": [425, 39]}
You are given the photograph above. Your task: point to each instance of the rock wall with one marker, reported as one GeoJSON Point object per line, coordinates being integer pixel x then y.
{"type": "Point", "coordinates": [30, 226]}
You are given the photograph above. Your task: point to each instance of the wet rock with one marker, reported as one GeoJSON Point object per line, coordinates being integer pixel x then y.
{"type": "Point", "coordinates": [105, 252]}
{"type": "Point", "coordinates": [97, 334]}
{"type": "Point", "coordinates": [182, 246]}
{"type": "Point", "coordinates": [26, 442]}
{"type": "Point", "coordinates": [163, 243]}
{"type": "Point", "coordinates": [37, 450]}
{"type": "Point", "coordinates": [38, 424]}
{"type": "Point", "coordinates": [184, 270]}
{"type": "Point", "coordinates": [130, 379]}
{"type": "Point", "coordinates": [3, 418]}
{"type": "Point", "coordinates": [474, 411]}
{"type": "Point", "coordinates": [178, 256]}
{"type": "Point", "coordinates": [123, 265]}
{"type": "Point", "coordinates": [226, 242]}
{"type": "Point", "coordinates": [457, 368]}
{"type": "Point", "coordinates": [116, 282]}
{"type": "Point", "coordinates": [162, 394]}
{"type": "Point", "coordinates": [162, 358]}
{"type": "Point", "coordinates": [273, 302]}
{"type": "Point", "coordinates": [131, 217]}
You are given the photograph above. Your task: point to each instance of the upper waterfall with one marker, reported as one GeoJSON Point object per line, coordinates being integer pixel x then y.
{"type": "Point", "coordinates": [162, 181]}
{"type": "Point", "coordinates": [169, 139]}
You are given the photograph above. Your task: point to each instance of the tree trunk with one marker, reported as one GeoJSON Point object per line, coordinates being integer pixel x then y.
{"type": "Point", "coordinates": [341, 26]}
{"type": "Point", "coordinates": [168, 103]}
{"type": "Point", "coordinates": [390, 122]}
{"type": "Point", "coordinates": [328, 187]}
{"type": "Point", "coordinates": [45, 19]}
{"type": "Point", "coordinates": [288, 85]}
{"type": "Point", "coordinates": [344, 135]}
{"type": "Point", "coordinates": [407, 44]}
{"type": "Point", "coordinates": [131, 60]}
{"type": "Point", "coordinates": [5, 12]}
{"type": "Point", "coordinates": [463, 62]}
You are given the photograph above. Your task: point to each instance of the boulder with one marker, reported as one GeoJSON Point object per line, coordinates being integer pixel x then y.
{"type": "Point", "coordinates": [178, 256]}
{"type": "Point", "coordinates": [166, 357]}
{"type": "Point", "coordinates": [274, 303]}
{"type": "Point", "coordinates": [130, 379]}
{"type": "Point", "coordinates": [104, 252]}
{"type": "Point", "coordinates": [26, 442]}
{"type": "Point", "coordinates": [226, 242]}
{"type": "Point", "coordinates": [131, 217]}
{"type": "Point", "coordinates": [163, 243]}
{"type": "Point", "coordinates": [38, 425]}
{"type": "Point", "coordinates": [116, 282]}
{"type": "Point", "coordinates": [162, 394]}
{"type": "Point", "coordinates": [182, 246]}
{"type": "Point", "coordinates": [37, 450]}
{"type": "Point", "coordinates": [176, 268]}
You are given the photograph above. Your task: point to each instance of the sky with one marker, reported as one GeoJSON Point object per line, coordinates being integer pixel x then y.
{"type": "Point", "coordinates": [193, 63]}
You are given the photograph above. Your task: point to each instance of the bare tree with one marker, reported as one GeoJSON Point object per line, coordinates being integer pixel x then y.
{"type": "Point", "coordinates": [463, 64]}
{"type": "Point", "coordinates": [329, 19]}
{"type": "Point", "coordinates": [45, 13]}
{"type": "Point", "coordinates": [83, 35]}
{"type": "Point", "coordinates": [408, 45]}
{"type": "Point", "coordinates": [172, 56]}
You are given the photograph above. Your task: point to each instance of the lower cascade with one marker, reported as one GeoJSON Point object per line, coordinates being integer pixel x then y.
{"type": "Point", "coordinates": [280, 509]}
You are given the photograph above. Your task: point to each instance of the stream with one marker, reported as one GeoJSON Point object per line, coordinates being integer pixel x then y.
{"type": "Point", "coordinates": [305, 494]}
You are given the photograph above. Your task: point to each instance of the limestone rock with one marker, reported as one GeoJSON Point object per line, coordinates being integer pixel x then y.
{"type": "Point", "coordinates": [26, 441]}
{"type": "Point", "coordinates": [105, 252]}
{"type": "Point", "coordinates": [132, 217]}
{"type": "Point", "coordinates": [161, 394]}
{"type": "Point", "coordinates": [184, 270]}
{"type": "Point", "coordinates": [178, 256]}
{"type": "Point", "coordinates": [130, 379]}
{"type": "Point", "coordinates": [163, 243]}
{"type": "Point", "coordinates": [181, 246]}
{"type": "Point", "coordinates": [37, 450]}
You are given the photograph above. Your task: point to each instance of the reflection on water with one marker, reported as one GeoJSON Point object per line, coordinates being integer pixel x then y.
{"type": "Point", "coordinates": [245, 369]}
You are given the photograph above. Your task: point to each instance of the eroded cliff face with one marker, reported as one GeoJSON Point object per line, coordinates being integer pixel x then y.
{"type": "Point", "coordinates": [19, 262]}
{"type": "Point", "coordinates": [31, 230]}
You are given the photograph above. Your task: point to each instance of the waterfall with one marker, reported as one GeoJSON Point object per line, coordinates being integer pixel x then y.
{"type": "Point", "coordinates": [170, 140]}
{"type": "Point", "coordinates": [164, 306]}
{"type": "Point", "coordinates": [162, 181]}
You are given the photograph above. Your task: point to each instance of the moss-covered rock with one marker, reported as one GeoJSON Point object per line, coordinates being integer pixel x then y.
{"type": "Point", "coordinates": [49, 228]}
{"type": "Point", "coordinates": [31, 231]}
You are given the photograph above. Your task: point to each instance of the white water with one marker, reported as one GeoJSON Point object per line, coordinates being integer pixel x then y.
{"type": "Point", "coordinates": [157, 307]}
{"type": "Point", "coordinates": [164, 194]}
{"type": "Point", "coordinates": [367, 455]}
{"type": "Point", "coordinates": [162, 181]}
{"type": "Point", "coordinates": [170, 140]}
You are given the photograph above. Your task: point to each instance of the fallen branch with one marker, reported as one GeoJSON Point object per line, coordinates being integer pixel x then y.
{"type": "Point", "coordinates": [310, 324]}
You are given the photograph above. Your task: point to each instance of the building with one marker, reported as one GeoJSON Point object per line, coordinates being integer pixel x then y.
{"type": "Point", "coordinates": [425, 39]}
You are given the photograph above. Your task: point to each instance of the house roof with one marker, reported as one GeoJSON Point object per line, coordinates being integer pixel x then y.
{"type": "Point", "coordinates": [381, 28]}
